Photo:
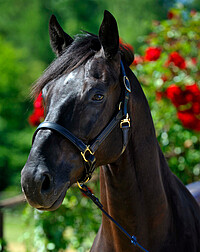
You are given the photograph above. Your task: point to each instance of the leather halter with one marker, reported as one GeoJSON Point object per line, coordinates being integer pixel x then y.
{"type": "Point", "coordinates": [88, 151]}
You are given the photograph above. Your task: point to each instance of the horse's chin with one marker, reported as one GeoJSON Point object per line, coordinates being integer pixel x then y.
{"type": "Point", "coordinates": [56, 201]}
{"type": "Point", "coordinates": [55, 205]}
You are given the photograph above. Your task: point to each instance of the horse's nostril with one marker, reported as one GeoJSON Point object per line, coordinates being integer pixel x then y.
{"type": "Point", "coordinates": [46, 184]}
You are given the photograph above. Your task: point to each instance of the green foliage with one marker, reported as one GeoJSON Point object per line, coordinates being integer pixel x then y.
{"type": "Point", "coordinates": [15, 79]}
{"type": "Point", "coordinates": [26, 22]}
{"type": "Point", "coordinates": [3, 245]}
{"type": "Point", "coordinates": [181, 34]}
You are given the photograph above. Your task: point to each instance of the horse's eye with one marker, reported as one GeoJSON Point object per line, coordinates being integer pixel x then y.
{"type": "Point", "coordinates": [97, 97]}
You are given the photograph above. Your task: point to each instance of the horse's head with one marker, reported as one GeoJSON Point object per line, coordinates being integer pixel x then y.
{"type": "Point", "coordinates": [81, 91]}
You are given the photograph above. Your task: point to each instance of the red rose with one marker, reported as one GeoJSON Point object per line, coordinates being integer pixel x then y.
{"type": "Point", "coordinates": [34, 120]}
{"type": "Point", "coordinates": [152, 53]}
{"type": "Point", "coordinates": [197, 128]}
{"type": "Point", "coordinates": [170, 15]}
{"type": "Point", "coordinates": [174, 93]}
{"type": "Point", "coordinates": [181, 97]}
{"type": "Point", "coordinates": [196, 108]}
{"type": "Point", "coordinates": [187, 102]}
{"type": "Point", "coordinates": [193, 95]}
{"type": "Point", "coordinates": [36, 117]}
{"type": "Point", "coordinates": [38, 102]}
{"type": "Point", "coordinates": [176, 59]}
{"type": "Point", "coordinates": [194, 89]}
{"type": "Point", "coordinates": [189, 120]}
{"type": "Point", "coordinates": [38, 114]}
{"type": "Point", "coordinates": [138, 60]}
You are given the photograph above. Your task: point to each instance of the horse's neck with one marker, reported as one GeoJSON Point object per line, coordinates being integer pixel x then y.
{"type": "Point", "coordinates": [132, 192]}
{"type": "Point", "coordinates": [142, 195]}
{"type": "Point", "coordinates": [132, 188]}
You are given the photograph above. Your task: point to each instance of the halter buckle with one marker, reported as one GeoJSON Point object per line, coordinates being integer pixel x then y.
{"type": "Point", "coordinates": [80, 185]}
{"type": "Point", "coordinates": [83, 153]}
{"type": "Point", "coordinates": [125, 122]}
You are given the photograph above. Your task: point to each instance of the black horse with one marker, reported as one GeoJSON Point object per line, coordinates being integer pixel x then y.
{"type": "Point", "coordinates": [93, 120]}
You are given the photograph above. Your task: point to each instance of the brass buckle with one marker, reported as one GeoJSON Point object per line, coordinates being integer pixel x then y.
{"type": "Point", "coordinates": [126, 121]}
{"type": "Point", "coordinates": [83, 153]}
{"type": "Point", "coordinates": [80, 185]}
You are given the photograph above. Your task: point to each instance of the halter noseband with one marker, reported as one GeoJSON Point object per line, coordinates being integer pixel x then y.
{"type": "Point", "coordinates": [88, 151]}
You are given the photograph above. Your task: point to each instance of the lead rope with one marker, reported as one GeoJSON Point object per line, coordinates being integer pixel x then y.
{"type": "Point", "coordinates": [84, 189]}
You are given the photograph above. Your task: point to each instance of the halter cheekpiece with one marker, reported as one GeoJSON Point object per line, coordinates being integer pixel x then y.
{"type": "Point", "coordinates": [88, 151]}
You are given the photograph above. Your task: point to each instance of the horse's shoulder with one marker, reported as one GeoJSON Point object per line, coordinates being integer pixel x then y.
{"type": "Point", "coordinates": [184, 232]}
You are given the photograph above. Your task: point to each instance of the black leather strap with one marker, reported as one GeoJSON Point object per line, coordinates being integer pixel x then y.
{"type": "Point", "coordinates": [125, 131]}
{"type": "Point", "coordinates": [103, 135]}
{"type": "Point", "coordinates": [64, 132]}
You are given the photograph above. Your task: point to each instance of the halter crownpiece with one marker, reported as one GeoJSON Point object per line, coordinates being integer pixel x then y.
{"type": "Point", "coordinates": [88, 151]}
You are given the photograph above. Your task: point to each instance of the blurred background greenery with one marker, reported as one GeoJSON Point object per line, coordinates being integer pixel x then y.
{"type": "Point", "coordinates": [24, 54]}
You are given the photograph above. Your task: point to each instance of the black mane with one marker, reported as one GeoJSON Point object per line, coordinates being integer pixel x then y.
{"type": "Point", "coordinates": [83, 47]}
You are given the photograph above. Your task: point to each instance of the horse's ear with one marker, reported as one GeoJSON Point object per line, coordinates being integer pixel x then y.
{"type": "Point", "coordinates": [109, 36]}
{"type": "Point", "coordinates": [59, 40]}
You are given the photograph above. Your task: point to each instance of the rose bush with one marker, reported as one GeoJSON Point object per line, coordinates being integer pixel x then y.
{"type": "Point", "coordinates": [168, 68]}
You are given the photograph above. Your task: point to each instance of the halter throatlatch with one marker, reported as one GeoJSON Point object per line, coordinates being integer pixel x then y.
{"type": "Point", "coordinates": [88, 151]}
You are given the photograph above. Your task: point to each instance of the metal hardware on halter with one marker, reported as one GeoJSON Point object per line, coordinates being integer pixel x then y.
{"type": "Point", "coordinates": [81, 185]}
{"type": "Point", "coordinates": [125, 121]}
{"type": "Point", "coordinates": [127, 83]}
{"type": "Point", "coordinates": [83, 153]}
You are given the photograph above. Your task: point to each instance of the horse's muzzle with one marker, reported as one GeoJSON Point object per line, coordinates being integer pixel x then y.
{"type": "Point", "coordinates": [40, 189]}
